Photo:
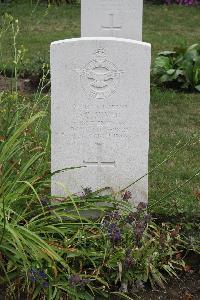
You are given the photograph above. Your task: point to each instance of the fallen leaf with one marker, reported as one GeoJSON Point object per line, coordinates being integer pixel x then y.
{"type": "Point", "coordinates": [36, 149]}
{"type": "Point", "coordinates": [2, 138]}
{"type": "Point", "coordinates": [187, 296]}
{"type": "Point", "coordinates": [176, 231]}
{"type": "Point", "coordinates": [198, 195]}
{"type": "Point", "coordinates": [59, 200]}
{"type": "Point", "coordinates": [187, 268]}
{"type": "Point", "coordinates": [178, 256]}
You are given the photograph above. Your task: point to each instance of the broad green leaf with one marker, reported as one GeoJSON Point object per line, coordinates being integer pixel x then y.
{"type": "Point", "coordinates": [163, 62]}
{"type": "Point", "coordinates": [171, 71]}
{"type": "Point", "coordinates": [166, 78]}
{"type": "Point", "coordinates": [167, 53]}
{"type": "Point", "coordinates": [197, 87]}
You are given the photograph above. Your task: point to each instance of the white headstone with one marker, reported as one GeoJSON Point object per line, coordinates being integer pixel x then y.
{"type": "Point", "coordinates": [112, 18]}
{"type": "Point", "coordinates": [100, 114]}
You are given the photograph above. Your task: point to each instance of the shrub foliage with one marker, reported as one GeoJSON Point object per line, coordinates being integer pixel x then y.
{"type": "Point", "coordinates": [180, 68]}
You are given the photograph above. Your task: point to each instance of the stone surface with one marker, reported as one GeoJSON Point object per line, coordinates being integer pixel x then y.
{"type": "Point", "coordinates": [112, 18]}
{"type": "Point", "coordinates": [100, 114]}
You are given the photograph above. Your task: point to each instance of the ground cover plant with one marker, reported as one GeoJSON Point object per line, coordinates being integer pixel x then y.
{"type": "Point", "coordinates": [179, 68]}
{"type": "Point", "coordinates": [53, 251]}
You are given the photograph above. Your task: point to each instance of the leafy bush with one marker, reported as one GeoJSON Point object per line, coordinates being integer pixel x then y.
{"type": "Point", "coordinates": [26, 67]}
{"type": "Point", "coordinates": [179, 68]}
{"type": "Point", "coordinates": [35, 70]}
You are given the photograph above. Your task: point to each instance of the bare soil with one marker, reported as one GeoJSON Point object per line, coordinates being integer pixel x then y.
{"type": "Point", "coordinates": [26, 85]}
{"type": "Point", "coordinates": [186, 287]}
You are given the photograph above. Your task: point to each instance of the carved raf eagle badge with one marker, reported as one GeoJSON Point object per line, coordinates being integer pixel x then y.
{"type": "Point", "coordinates": [100, 77]}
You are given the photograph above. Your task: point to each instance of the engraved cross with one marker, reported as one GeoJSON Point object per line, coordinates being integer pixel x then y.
{"type": "Point", "coordinates": [99, 162]}
{"type": "Point", "coordinates": [112, 28]}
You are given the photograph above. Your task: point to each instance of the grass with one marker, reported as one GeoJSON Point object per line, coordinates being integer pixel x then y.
{"type": "Point", "coordinates": [174, 124]}
{"type": "Point", "coordinates": [166, 27]}
{"type": "Point", "coordinates": [174, 116]}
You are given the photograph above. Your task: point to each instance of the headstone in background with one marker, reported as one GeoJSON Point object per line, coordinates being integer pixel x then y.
{"type": "Point", "coordinates": [112, 18]}
{"type": "Point", "coordinates": [100, 114]}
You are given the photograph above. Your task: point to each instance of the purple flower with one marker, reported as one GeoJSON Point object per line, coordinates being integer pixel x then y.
{"type": "Point", "coordinates": [147, 218]}
{"type": "Point", "coordinates": [139, 230]}
{"type": "Point", "coordinates": [42, 275]}
{"type": "Point", "coordinates": [74, 280]}
{"type": "Point", "coordinates": [31, 275]}
{"type": "Point", "coordinates": [45, 202]}
{"type": "Point", "coordinates": [127, 195]}
{"type": "Point", "coordinates": [142, 206]}
{"type": "Point", "coordinates": [37, 276]}
{"type": "Point", "coordinates": [32, 278]}
{"type": "Point", "coordinates": [87, 191]}
{"type": "Point", "coordinates": [33, 271]}
{"type": "Point", "coordinates": [132, 217]}
{"type": "Point", "coordinates": [128, 261]}
{"type": "Point", "coordinates": [45, 284]}
{"type": "Point", "coordinates": [114, 233]}
{"type": "Point", "coordinates": [114, 215]}
{"type": "Point", "coordinates": [85, 281]}
{"type": "Point", "coordinates": [183, 2]}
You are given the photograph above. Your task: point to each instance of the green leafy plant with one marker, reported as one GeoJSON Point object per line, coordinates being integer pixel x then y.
{"type": "Point", "coordinates": [52, 249]}
{"type": "Point", "coordinates": [179, 69]}
{"type": "Point", "coordinates": [34, 69]}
